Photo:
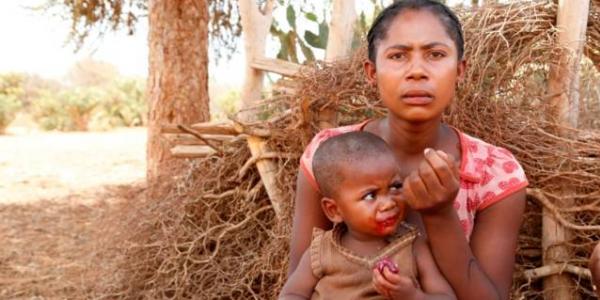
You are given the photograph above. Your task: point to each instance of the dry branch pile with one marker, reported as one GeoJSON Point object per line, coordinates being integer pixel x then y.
{"type": "Point", "coordinates": [217, 237]}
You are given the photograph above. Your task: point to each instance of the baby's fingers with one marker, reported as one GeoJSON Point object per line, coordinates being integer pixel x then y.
{"type": "Point", "coordinates": [391, 281]}
{"type": "Point", "coordinates": [378, 284]}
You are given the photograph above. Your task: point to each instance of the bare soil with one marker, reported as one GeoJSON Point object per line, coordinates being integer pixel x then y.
{"type": "Point", "coordinates": [55, 188]}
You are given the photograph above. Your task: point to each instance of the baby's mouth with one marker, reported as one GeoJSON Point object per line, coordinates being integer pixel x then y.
{"type": "Point", "coordinates": [387, 219]}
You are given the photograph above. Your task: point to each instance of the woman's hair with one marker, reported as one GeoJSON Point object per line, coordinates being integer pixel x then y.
{"type": "Point", "coordinates": [449, 20]}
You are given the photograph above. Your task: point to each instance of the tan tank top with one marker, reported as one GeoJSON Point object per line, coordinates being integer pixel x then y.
{"type": "Point", "coordinates": [345, 275]}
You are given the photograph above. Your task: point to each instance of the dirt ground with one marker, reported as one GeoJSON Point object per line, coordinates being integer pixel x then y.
{"type": "Point", "coordinates": [54, 188]}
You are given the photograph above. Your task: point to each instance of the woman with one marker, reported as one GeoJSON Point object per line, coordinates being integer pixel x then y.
{"type": "Point", "coordinates": [470, 199]}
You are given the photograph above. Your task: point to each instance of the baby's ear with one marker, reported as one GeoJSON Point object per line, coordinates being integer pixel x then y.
{"type": "Point", "coordinates": [330, 208]}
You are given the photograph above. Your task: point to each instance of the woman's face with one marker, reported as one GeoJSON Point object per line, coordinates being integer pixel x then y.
{"type": "Point", "coordinates": [416, 67]}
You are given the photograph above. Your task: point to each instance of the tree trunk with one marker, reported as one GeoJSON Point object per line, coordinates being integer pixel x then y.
{"type": "Point", "coordinates": [177, 80]}
{"type": "Point", "coordinates": [564, 109]}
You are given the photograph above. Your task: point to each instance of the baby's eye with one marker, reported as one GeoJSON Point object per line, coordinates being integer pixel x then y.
{"type": "Point", "coordinates": [396, 186]}
{"type": "Point", "coordinates": [370, 196]}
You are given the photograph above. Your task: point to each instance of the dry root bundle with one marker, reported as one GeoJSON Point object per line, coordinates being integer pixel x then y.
{"type": "Point", "coordinates": [218, 237]}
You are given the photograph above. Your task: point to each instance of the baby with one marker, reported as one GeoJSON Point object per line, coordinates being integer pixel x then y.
{"type": "Point", "coordinates": [370, 253]}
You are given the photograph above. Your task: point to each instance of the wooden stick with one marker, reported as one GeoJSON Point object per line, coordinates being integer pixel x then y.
{"type": "Point", "coordinates": [278, 66]}
{"type": "Point", "coordinates": [571, 22]}
{"type": "Point", "coordinates": [555, 269]}
{"type": "Point", "coordinates": [204, 128]}
{"type": "Point", "coordinates": [268, 173]}
{"type": "Point", "coordinates": [341, 29]}
{"type": "Point", "coordinates": [269, 155]}
{"type": "Point", "coordinates": [191, 151]}
{"type": "Point", "coordinates": [188, 139]}
{"type": "Point", "coordinates": [258, 132]}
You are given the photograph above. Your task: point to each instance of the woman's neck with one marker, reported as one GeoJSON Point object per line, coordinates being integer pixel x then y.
{"type": "Point", "coordinates": [412, 138]}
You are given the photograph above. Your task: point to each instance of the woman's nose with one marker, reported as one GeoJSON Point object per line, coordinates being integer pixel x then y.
{"type": "Point", "coordinates": [416, 70]}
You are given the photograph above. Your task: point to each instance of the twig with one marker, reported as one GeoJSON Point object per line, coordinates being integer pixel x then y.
{"type": "Point", "coordinates": [541, 197]}
{"type": "Point", "coordinates": [554, 269]}
{"type": "Point", "coordinates": [252, 160]}
{"type": "Point", "coordinates": [199, 136]}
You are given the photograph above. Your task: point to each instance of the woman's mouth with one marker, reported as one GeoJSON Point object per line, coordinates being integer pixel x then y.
{"type": "Point", "coordinates": [417, 97]}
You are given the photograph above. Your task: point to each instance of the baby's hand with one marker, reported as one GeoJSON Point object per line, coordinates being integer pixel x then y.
{"type": "Point", "coordinates": [392, 285]}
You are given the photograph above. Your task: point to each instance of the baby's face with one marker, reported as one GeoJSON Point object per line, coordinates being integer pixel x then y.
{"type": "Point", "coordinates": [369, 199]}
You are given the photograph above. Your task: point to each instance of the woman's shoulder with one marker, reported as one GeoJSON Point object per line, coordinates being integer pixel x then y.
{"type": "Point", "coordinates": [493, 170]}
{"type": "Point", "coordinates": [325, 134]}
{"type": "Point", "coordinates": [320, 137]}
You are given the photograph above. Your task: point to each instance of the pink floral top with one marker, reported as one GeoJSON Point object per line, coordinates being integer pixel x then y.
{"type": "Point", "coordinates": [488, 173]}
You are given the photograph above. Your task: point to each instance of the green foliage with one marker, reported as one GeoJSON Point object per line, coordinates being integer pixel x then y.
{"type": "Point", "coordinates": [96, 98]}
{"type": "Point", "coordinates": [292, 38]}
{"type": "Point", "coordinates": [226, 104]}
{"type": "Point", "coordinates": [120, 103]}
{"type": "Point", "coordinates": [123, 104]}
{"type": "Point", "coordinates": [289, 39]}
{"type": "Point", "coordinates": [9, 106]}
{"type": "Point", "coordinates": [11, 94]}
{"type": "Point", "coordinates": [67, 110]}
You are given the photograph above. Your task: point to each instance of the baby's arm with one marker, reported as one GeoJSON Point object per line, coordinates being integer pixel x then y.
{"type": "Point", "coordinates": [302, 281]}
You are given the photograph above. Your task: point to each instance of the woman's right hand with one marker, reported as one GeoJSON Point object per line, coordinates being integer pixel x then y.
{"type": "Point", "coordinates": [433, 187]}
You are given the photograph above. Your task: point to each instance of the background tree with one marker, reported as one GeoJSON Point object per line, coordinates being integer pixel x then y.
{"type": "Point", "coordinates": [178, 58]}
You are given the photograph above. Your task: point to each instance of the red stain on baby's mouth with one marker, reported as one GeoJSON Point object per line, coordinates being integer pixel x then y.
{"type": "Point", "coordinates": [383, 225]}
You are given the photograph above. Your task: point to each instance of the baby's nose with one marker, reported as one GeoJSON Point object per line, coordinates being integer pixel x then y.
{"type": "Point", "coordinates": [387, 203]}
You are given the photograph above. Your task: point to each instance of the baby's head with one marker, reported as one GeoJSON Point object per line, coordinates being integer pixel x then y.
{"type": "Point", "coordinates": [359, 179]}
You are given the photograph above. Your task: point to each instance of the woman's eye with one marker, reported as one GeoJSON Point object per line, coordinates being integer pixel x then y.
{"type": "Point", "coordinates": [437, 54]}
{"type": "Point", "coordinates": [369, 196]}
{"type": "Point", "coordinates": [397, 56]}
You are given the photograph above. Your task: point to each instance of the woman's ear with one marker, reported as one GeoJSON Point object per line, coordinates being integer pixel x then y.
{"type": "Point", "coordinates": [331, 210]}
{"type": "Point", "coordinates": [370, 71]}
{"type": "Point", "coordinates": [461, 70]}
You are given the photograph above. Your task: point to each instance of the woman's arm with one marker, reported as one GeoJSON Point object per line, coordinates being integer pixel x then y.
{"type": "Point", "coordinates": [307, 215]}
{"type": "Point", "coordinates": [484, 269]}
{"type": "Point", "coordinates": [302, 282]}
{"type": "Point", "coordinates": [479, 270]}
{"type": "Point", "coordinates": [431, 280]}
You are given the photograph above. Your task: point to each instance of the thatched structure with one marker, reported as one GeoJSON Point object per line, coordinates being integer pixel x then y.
{"type": "Point", "coordinates": [217, 235]}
